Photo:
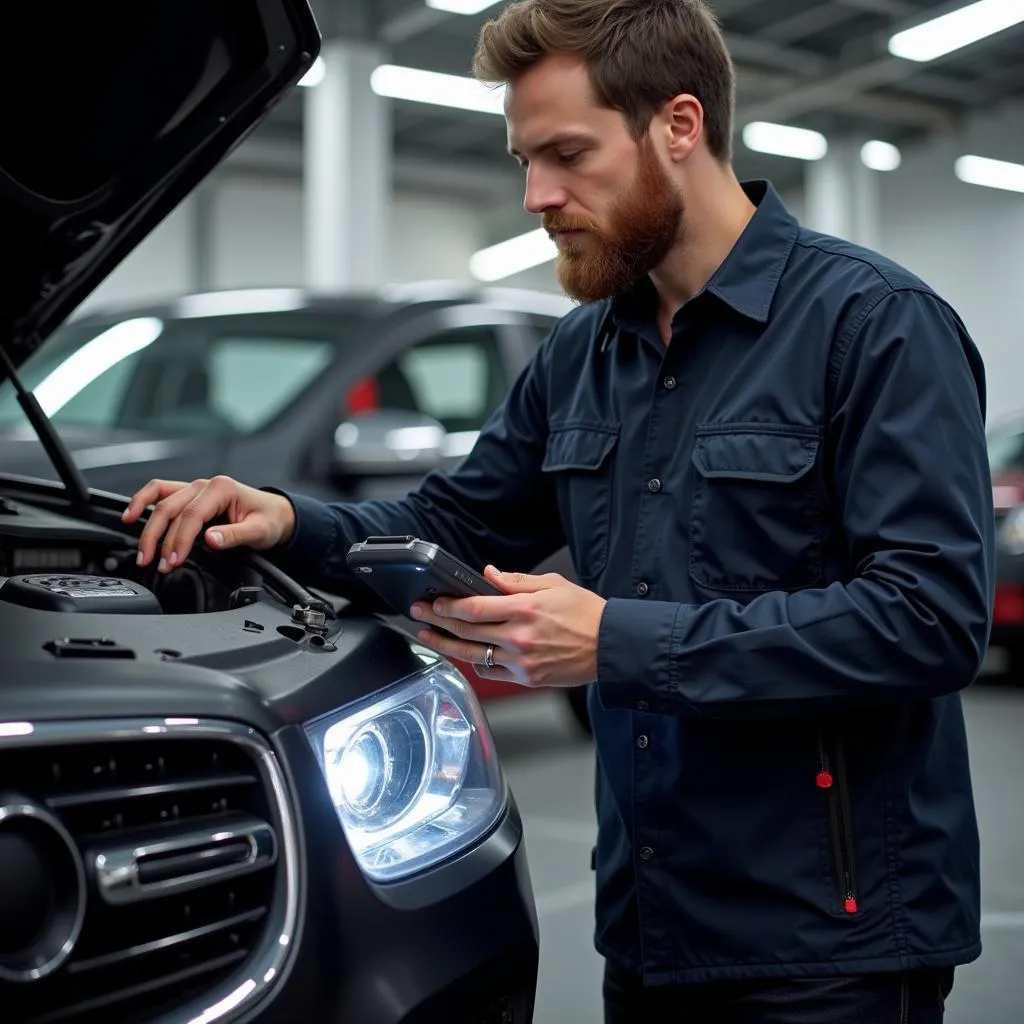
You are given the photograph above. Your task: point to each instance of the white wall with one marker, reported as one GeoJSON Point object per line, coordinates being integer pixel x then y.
{"type": "Point", "coordinates": [967, 243]}
{"type": "Point", "coordinates": [256, 240]}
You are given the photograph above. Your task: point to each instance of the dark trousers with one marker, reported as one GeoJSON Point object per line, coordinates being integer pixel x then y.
{"type": "Point", "coordinates": [917, 998]}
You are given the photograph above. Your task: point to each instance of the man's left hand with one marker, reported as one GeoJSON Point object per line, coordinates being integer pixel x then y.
{"type": "Point", "coordinates": [544, 630]}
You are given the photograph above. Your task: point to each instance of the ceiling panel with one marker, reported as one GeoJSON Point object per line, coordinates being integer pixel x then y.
{"type": "Point", "coordinates": [820, 64]}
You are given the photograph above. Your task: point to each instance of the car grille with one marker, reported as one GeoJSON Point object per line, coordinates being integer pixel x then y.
{"type": "Point", "coordinates": [144, 868]}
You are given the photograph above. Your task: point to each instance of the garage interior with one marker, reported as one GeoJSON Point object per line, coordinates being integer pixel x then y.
{"type": "Point", "coordinates": [358, 182]}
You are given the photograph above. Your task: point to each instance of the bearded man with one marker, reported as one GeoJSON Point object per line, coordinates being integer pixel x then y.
{"type": "Point", "coordinates": [765, 449]}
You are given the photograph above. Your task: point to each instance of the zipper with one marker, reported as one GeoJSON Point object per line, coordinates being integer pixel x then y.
{"type": "Point", "coordinates": [831, 778]}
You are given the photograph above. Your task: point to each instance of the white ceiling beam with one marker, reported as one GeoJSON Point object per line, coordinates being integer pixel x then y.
{"type": "Point", "coordinates": [806, 23]}
{"type": "Point", "coordinates": [895, 8]}
{"type": "Point", "coordinates": [412, 23]}
{"type": "Point", "coordinates": [845, 87]}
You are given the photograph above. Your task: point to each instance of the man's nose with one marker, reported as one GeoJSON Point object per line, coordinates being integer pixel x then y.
{"type": "Point", "coordinates": [542, 194]}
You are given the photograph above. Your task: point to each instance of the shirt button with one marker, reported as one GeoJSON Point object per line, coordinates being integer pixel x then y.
{"type": "Point", "coordinates": [642, 705]}
{"type": "Point", "coordinates": [642, 741]}
{"type": "Point", "coordinates": [670, 383]}
{"type": "Point", "coordinates": [654, 486]}
{"type": "Point", "coordinates": [646, 853]}
{"type": "Point", "coordinates": [642, 589]}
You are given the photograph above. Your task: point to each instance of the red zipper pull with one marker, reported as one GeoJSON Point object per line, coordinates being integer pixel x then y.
{"type": "Point", "coordinates": [850, 906]}
{"type": "Point", "coordinates": [824, 780]}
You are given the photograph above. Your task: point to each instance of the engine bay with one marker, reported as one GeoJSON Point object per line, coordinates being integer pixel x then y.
{"type": "Point", "coordinates": [55, 562]}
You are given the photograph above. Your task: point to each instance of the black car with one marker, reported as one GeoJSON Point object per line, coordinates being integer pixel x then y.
{"type": "Point", "coordinates": [342, 397]}
{"type": "Point", "coordinates": [224, 796]}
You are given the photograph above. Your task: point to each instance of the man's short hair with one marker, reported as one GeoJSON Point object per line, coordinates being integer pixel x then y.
{"type": "Point", "coordinates": [640, 54]}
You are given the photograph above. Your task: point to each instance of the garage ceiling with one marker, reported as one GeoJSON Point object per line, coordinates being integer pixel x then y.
{"type": "Point", "coordinates": [820, 64]}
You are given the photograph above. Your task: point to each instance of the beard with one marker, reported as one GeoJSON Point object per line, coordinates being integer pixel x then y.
{"type": "Point", "coordinates": [643, 227]}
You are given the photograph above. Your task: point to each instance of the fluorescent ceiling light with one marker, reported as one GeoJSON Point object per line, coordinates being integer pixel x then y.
{"type": "Point", "coordinates": [959, 28]}
{"type": "Point", "coordinates": [513, 257]}
{"type": "Point", "coordinates": [784, 140]}
{"type": "Point", "coordinates": [420, 86]}
{"type": "Point", "coordinates": [461, 6]}
{"type": "Point", "coordinates": [315, 75]}
{"type": "Point", "coordinates": [880, 156]}
{"type": "Point", "coordinates": [980, 170]}
{"type": "Point", "coordinates": [93, 360]}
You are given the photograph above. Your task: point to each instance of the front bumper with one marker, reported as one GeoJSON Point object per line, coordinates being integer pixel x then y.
{"type": "Point", "coordinates": [459, 943]}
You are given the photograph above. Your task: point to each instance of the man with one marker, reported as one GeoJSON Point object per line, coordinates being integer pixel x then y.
{"type": "Point", "coordinates": [765, 449]}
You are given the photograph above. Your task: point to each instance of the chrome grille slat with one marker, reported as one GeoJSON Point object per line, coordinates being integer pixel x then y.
{"type": "Point", "coordinates": [196, 796]}
{"type": "Point", "coordinates": [105, 1003]}
{"type": "Point", "coordinates": [131, 793]}
{"type": "Point", "coordinates": [121, 955]}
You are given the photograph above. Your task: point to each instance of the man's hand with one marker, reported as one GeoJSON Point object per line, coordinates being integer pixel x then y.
{"type": "Point", "coordinates": [256, 518]}
{"type": "Point", "coordinates": [544, 632]}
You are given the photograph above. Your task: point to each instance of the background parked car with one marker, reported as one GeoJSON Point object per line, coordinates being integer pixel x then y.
{"type": "Point", "coordinates": [342, 398]}
{"type": "Point", "coordinates": [1006, 458]}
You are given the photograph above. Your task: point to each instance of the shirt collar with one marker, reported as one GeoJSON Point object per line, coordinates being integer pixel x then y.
{"type": "Point", "coordinates": [748, 277]}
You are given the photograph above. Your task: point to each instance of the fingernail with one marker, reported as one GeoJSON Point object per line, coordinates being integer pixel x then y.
{"type": "Point", "coordinates": [162, 567]}
{"type": "Point", "coordinates": [216, 538]}
{"type": "Point", "coordinates": [416, 611]}
{"type": "Point", "coordinates": [139, 558]}
{"type": "Point", "coordinates": [438, 608]}
{"type": "Point", "coordinates": [174, 558]}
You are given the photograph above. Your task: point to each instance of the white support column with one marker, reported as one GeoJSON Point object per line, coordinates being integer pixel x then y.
{"type": "Point", "coordinates": [842, 195]}
{"type": "Point", "coordinates": [347, 171]}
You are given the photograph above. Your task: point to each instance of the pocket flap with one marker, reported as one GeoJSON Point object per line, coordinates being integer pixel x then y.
{"type": "Point", "coordinates": [582, 447]}
{"type": "Point", "coordinates": [769, 456]}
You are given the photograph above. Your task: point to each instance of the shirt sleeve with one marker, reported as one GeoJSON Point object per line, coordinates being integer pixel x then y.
{"type": "Point", "coordinates": [497, 506]}
{"type": "Point", "coordinates": [914, 496]}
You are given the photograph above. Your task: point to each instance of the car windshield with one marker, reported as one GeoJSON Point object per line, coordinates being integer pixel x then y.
{"type": "Point", "coordinates": [185, 377]}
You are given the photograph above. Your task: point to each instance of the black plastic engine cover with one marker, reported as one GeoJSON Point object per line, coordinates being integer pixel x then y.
{"type": "Point", "coordinates": [65, 593]}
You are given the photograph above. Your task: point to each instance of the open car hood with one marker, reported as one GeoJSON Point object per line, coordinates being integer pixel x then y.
{"type": "Point", "coordinates": [111, 114]}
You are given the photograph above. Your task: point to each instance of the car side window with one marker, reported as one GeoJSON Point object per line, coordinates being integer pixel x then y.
{"type": "Point", "coordinates": [458, 376]}
{"type": "Point", "coordinates": [1006, 452]}
{"type": "Point", "coordinates": [252, 379]}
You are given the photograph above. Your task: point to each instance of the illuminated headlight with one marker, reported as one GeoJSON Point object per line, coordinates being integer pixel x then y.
{"type": "Point", "coordinates": [412, 773]}
{"type": "Point", "coordinates": [1011, 532]}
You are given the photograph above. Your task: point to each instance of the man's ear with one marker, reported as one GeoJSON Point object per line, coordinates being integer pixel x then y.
{"type": "Point", "coordinates": [683, 120]}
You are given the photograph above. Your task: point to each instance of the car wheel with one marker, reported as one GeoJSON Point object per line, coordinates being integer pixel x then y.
{"type": "Point", "coordinates": [576, 698]}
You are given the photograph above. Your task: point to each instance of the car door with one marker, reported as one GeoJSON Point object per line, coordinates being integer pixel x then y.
{"type": "Point", "coordinates": [454, 364]}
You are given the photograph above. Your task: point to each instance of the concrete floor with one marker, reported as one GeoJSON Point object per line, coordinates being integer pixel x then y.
{"type": "Point", "coordinates": [550, 770]}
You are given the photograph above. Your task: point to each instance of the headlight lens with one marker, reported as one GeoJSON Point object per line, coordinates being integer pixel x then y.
{"type": "Point", "coordinates": [412, 773]}
{"type": "Point", "coordinates": [1011, 532]}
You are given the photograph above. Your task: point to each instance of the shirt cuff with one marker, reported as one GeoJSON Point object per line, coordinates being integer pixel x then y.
{"type": "Point", "coordinates": [635, 664]}
{"type": "Point", "coordinates": [316, 531]}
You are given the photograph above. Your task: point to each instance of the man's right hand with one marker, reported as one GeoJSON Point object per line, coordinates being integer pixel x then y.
{"type": "Point", "coordinates": [256, 519]}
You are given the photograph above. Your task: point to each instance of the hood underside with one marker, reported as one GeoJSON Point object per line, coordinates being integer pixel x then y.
{"type": "Point", "coordinates": [112, 114]}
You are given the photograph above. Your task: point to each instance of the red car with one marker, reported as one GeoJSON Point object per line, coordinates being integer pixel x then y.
{"type": "Point", "coordinates": [1006, 458]}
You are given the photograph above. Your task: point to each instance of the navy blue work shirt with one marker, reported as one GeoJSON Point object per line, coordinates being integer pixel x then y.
{"type": "Point", "coordinates": [789, 511]}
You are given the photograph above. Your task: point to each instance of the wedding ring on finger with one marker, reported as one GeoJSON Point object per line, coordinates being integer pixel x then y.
{"type": "Point", "coordinates": [489, 656]}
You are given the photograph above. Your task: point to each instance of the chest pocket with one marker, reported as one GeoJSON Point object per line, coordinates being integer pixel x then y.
{"type": "Point", "coordinates": [581, 457]}
{"type": "Point", "coordinates": [756, 516]}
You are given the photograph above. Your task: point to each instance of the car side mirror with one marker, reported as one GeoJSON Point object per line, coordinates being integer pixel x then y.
{"type": "Point", "coordinates": [388, 442]}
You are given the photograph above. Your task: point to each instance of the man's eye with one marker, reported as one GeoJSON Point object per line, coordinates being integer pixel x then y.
{"type": "Point", "coordinates": [569, 158]}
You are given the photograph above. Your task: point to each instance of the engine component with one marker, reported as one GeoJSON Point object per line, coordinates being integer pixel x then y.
{"type": "Point", "coordinates": [80, 594]}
